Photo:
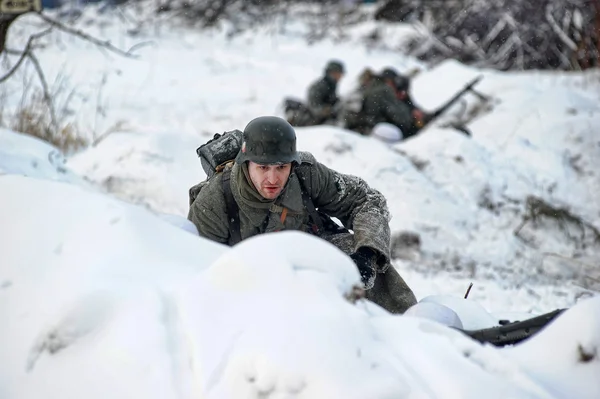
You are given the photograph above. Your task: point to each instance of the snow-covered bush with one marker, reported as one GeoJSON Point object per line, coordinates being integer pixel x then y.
{"type": "Point", "coordinates": [504, 34]}
{"type": "Point", "coordinates": [242, 14]}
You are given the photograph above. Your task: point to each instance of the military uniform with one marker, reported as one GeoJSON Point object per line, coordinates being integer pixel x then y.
{"type": "Point", "coordinates": [323, 101]}
{"type": "Point", "coordinates": [348, 198]}
{"type": "Point", "coordinates": [322, 98]}
{"type": "Point", "coordinates": [381, 105]}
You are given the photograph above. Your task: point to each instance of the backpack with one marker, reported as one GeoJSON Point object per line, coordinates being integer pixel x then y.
{"type": "Point", "coordinates": [218, 151]}
{"type": "Point", "coordinates": [218, 155]}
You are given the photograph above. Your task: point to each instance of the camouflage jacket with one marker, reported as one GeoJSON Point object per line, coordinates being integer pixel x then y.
{"type": "Point", "coordinates": [347, 198]}
{"type": "Point", "coordinates": [322, 96]}
{"type": "Point", "coordinates": [381, 105]}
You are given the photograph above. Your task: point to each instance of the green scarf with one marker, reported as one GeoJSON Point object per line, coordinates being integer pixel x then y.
{"type": "Point", "coordinates": [248, 193]}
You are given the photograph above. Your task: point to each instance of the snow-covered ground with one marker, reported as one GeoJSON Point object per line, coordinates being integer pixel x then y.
{"type": "Point", "coordinates": [102, 298]}
{"type": "Point", "coordinates": [169, 315]}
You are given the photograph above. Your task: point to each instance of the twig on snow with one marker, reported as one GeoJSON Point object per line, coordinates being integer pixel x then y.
{"type": "Point", "coordinates": [468, 290]}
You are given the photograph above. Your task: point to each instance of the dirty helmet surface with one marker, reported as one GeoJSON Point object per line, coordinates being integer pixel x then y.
{"type": "Point", "coordinates": [268, 140]}
{"type": "Point", "coordinates": [335, 66]}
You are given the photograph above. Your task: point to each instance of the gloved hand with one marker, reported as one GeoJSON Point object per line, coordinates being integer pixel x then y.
{"type": "Point", "coordinates": [420, 118]}
{"type": "Point", "coordinates": [325, 112]}
{"type": "Point", "coordinates": [365, 261]}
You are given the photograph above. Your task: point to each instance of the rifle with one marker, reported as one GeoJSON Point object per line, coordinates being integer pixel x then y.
{"type": "Point", "coordinates": [510, 333]}
{"type": "Point", "coordinates": [454, 98]}
{"type": "Point", "coordinates": [444, 107]}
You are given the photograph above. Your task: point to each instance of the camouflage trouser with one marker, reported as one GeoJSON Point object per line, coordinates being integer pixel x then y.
{"type": "Point", "coordinates": [390, 290]}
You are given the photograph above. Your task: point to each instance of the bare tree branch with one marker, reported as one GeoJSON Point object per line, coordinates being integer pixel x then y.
{"type": "Point", "coordinates": [504, 34]}
{"type": "Point", "coordinates": [43, 82]}
{"type": "Point", "coordinates": [559, 32]}
{"type": "Point", "coordinates": [23, 54]}
{"type": "Point", "coordinates": [46, 90]}
{"type": "Point", "coordinates": [27, 53]}
{"type": "Point", "coordinates": [101, 43]}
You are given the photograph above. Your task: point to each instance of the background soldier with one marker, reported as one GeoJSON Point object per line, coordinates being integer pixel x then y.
{"type": "Point", "coordinates": [384, 114]}
{"type": "Point", "coordinates": [322, 94]}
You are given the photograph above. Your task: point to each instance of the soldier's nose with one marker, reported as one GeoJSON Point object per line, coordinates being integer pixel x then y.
{"type": "Point", "coordinates": [271, 178]}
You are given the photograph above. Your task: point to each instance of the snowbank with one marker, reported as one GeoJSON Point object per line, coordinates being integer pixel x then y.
{"type": "Point", "coordinates": [75, 264]}
{"type": "Point", "coordinates": [26, 155]}
{"type": "Point", "coordinates": [113, 302]}
{"type": "Point", "coordinates": [155, 170]}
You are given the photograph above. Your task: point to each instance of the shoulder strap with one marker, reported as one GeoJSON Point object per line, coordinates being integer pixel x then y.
{"type": "Point", "coordinates": [233, 211]}
{"type": "Point", "coordinates": [317, 222]}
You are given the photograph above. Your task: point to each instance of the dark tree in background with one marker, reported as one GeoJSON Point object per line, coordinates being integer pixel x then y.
{"type": "Point", "coordinates": [503, 34]}
{"type": "Point", "coordinates": [208, 12]}
{"type": "Point", "coordinates": [9, 11]}
{"type": "Point", "coordinates": [5, 21]}
{"type": "Point", "coordinates": [325, 17]}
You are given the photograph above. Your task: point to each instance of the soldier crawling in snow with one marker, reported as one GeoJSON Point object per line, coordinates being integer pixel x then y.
{"type": "Point", "coordinates": [271, 187]}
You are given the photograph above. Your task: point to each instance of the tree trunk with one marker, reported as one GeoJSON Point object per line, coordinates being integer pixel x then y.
{"type": "Point", "coordinates": [597, 30]}
{"type": "Point", "coordinates": [5, 21]}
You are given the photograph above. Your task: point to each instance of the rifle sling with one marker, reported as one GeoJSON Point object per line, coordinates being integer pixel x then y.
{"type": "Point", "coordinates": [317, 222]}
{"type": "Point", "coordinates": [233, 211]}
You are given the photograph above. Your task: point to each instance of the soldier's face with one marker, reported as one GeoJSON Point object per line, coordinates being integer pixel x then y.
{"type": "Point", "coordinates": [337, 76]}
{"type": "Point", "coordinates": [269, 180]}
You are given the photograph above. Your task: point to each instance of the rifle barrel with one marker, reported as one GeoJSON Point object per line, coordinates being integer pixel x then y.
{"type": "Point", "coordinates": [456, 97]}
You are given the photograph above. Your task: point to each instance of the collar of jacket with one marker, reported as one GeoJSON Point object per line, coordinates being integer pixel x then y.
{"type": "Point", "coordinates": [290, 198]}
{"type": "Point", "coordinates": [330, 81]}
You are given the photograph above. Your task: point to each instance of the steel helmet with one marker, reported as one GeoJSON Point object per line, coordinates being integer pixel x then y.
{"type": "Point", "coordinates": [268, 140]}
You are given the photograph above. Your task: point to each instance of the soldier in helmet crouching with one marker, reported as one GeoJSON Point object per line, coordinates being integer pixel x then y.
{"type": "Point", "coordinates": [271, 187]}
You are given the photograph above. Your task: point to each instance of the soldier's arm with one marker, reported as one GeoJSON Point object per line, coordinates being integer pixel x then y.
{"type": "Point", "coordinates": [397, 112]}
{"type": "Point", "coordinates": [211, 223]}
{"type": "Point", "coordinates": [316, 94]}
{"type": "Point", "coordinates": [359, 207]}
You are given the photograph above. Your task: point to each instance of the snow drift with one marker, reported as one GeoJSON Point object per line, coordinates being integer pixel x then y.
{"type": "Point", "coordinates": [103, 298]}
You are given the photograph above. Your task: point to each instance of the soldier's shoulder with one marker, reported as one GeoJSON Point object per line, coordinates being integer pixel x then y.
{"type": "Point", "coordinates": [208, 192]}
{"type": "Point", "coordinates": [319, 83]}
{"type": "Point", "coordinates": [306, 158]}
{"type": "Point", "coordinates": [379, 85]}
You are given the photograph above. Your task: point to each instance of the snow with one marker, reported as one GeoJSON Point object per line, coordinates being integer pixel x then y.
{"type": "Point", "coordinates": [26, 155]}
{"type": "Point", "coordinates": [575, 354]}
{"type": "Point", "coordinates": [115, 302]}
{"type": "Point", "coordinates": [107, 291]}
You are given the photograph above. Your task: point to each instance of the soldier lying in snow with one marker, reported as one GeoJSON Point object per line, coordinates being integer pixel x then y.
{"type": "Point", "coordinates": [386, 110]}
{"type": "Point", "coordinates": [323, 103]}
{"type": "Point", "coordinates": [272, 187]}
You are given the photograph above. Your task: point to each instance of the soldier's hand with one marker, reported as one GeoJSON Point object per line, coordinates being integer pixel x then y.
{"type": "Point", "coordinates": [326, 111]}
{"type": "Point", "coordinates": [420, 118]}
{"type": "Point", "coordinates": [365, 259]}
